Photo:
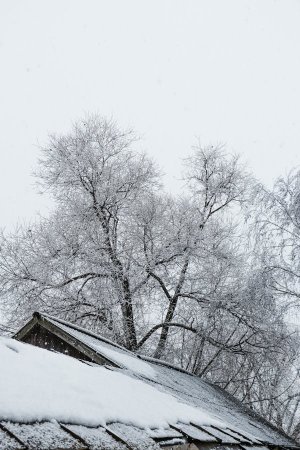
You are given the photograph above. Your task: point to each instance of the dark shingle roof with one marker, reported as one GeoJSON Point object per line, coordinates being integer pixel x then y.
{"type": "Point", "coordinates": [242, 426]}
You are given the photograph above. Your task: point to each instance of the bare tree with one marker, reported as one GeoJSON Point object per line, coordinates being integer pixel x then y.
{"type": "Point", "coordinates": [172, 277]}
{"type": "Point", "coordinates": [215, 181]}
{"type": "Point", "coordinates": [94, 178]}
{"type": "Point", "coordinates": [277, 231]}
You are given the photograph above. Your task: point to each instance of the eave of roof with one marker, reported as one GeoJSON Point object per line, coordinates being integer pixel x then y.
{"type": "Point", "coordinates": [22, 436]}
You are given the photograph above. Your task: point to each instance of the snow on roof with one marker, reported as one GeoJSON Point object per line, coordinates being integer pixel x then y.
{"type": "Point", "coordinates": [187, 387]}
{"type": "Point", "coordinates": [37, 385]}
{"type": "Point", "coordinates": [146, 393]}
{"type": "Point", "coordinates": [218, 403]}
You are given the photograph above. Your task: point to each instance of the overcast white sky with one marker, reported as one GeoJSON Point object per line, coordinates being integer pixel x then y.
{"type": "Point", "coordinates": [226, 71]}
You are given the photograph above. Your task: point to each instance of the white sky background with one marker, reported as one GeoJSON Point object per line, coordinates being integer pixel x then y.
{"type": "Point", "coordinates": [226, 71]}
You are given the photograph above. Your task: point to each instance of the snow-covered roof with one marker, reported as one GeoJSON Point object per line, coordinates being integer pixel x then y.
{"type": "Point", "coordinates": [50, 400]}
{"type": "Point", "coordinates": [132, 398]}
{"type": "Point", "coordinates": [76, 392]}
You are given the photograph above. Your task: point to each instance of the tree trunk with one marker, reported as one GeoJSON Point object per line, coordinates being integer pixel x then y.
{"type": "Point", "coordinates": [165, 329]}
{"type": "Point", "coordinates": [128, 316]}
{"type": "Point", "coordinates": [121, 280]}
{"type": "Point", "coordinates": [171, 310]}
